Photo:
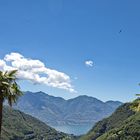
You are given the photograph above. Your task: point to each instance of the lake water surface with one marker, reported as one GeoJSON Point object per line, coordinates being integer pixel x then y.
{"type": "Point", "coordinates": [74, 129]}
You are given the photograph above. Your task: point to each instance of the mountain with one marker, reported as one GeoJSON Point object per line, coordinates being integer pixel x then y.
{"type": "Point", "coordinates": [58, 111]}
{"type": "Point", "coordinates": [123, 124]}
{"type": "Point", "coordinates": [114, 104]}
{"type": "Point", "coordinates": [20, 126]}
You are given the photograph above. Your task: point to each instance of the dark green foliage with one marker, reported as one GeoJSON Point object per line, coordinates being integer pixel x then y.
{"type": "Point", "coordinates": [123, 124]}
{"type": "Point", "coordinates": [128, 130]}
{"type": "Point", "coordinates": [19, 126]}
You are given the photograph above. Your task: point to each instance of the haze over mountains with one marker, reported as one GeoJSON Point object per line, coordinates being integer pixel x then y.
{"type": "Point", "coordinates": [58, 111]}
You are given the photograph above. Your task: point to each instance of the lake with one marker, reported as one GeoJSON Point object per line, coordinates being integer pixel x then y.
{"type": "Point", "coordinates": [74, 129]}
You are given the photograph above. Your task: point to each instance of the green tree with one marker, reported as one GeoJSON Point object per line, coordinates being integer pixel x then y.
{"type": "Point", "coordinates": [138, 95]}
{"type": "Point", "coordinates": [9, 90]}
{"type": "Point", "coordinates": [136, 104]}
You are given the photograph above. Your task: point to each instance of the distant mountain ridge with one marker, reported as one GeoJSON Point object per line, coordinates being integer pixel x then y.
{"type": "Point", "coordinates": [58, 111]}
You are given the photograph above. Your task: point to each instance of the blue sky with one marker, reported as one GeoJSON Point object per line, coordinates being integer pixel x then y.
{"type": "Point", "coordinates": [63, 34]}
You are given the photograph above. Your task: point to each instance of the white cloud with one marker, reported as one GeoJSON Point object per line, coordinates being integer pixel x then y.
{"type": "Point", "coordinates": [89, 63]}
{"type": "Point", "coordinates": [35, 71]}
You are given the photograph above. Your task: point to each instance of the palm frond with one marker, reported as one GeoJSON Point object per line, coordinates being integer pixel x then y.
{"type": "Point", "coordinates": [9, 89]}
{"type": "Point", "coordinates": [12, 73]}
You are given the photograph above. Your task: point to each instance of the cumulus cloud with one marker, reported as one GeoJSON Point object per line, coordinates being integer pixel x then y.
{"type": "Point", "coordinates": [35, 71]}
{"type": "Point", "coordinates": [89, 63]}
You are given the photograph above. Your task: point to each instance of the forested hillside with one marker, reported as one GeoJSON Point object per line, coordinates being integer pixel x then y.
{"type": "Point", "coordinates": [20, 126]}
{"type": "Point", "coordinates": [124, 123]}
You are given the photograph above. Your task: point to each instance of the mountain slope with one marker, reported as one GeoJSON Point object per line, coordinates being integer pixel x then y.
{"type": "Point", "coordinates": [57, 111]}
{"type": "Point", "coordinates": [128, 130]}
{"type": "Point", "coordinates": [113, 104]}
{"type": "Point", "coordinates": [82, 108]}
{"type": "Point", "coordinates": [122, 124]}
{"type": "Point", "coordinates": [20, 126]}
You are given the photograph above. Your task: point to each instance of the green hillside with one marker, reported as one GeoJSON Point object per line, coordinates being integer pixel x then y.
{"type": "Point", "coordinates": [123, 124]}
{"type": "Point", "coordinates": [19, 126]}
{"type": "Point", "coordinates": [129, 130]}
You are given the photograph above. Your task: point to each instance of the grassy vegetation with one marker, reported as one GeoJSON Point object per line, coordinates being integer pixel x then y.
{"type": "Point", "coordinates": [128, 130]}
{"type": "Point", "coordinates": [123, 124]}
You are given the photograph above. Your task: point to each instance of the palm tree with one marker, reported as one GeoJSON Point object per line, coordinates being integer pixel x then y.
{"type": "Point", "coordinates": [9, 90]}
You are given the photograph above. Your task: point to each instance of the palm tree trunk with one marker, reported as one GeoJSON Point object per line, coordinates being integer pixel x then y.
{"type": "Point", "coordinates": [1, 108]}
